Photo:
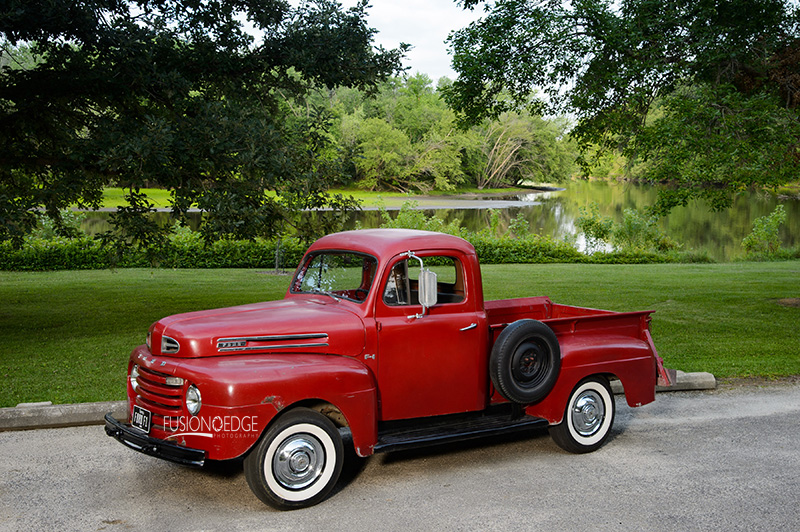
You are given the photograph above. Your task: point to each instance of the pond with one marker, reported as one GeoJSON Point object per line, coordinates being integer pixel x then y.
{"type": "Point", "coordinates": [553, 213]}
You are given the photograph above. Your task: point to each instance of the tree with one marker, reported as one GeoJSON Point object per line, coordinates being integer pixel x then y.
{"type": "Point", "coordinates": [405, 138]}
{"type": "Point", "coordinates": [402, 138]}
{"type": "Point", "coordinates": [174, 93]}
{"type": "Point", "coordinates": [666, 83]}
{"type": "Point", "coordinates": [384, 156]}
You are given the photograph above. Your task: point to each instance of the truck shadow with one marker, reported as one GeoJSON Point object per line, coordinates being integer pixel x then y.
{"type": "Point", "coordinates": [224, 469]}
{"type": "Point", "coordinates": [533, 443]}
{"type": "Point", "coordinates": [538, 437]}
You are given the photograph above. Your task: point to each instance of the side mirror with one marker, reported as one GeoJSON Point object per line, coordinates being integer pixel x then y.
{"type": "Point", "coordinates": [427, 288]}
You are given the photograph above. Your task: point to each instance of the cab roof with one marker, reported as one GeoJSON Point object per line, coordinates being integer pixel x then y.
{"type": "Point", "coordinates": [386, 243]}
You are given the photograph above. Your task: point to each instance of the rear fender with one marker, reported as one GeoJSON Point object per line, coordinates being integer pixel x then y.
{"type": "Point", "coordinates": [630, 360]}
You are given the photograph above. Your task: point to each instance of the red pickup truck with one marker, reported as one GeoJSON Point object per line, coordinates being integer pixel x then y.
{"type": "Point", "coordinates": [383, 337]}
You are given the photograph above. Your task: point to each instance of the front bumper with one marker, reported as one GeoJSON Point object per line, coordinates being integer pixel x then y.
{"type": "Point", "coordinates": [143, 443]}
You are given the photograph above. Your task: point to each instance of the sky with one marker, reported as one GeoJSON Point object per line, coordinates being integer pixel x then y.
{"type": "Point", "coordinates": [424, 24]}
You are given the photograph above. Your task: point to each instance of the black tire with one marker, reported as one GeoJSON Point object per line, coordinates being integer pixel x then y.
{"type": "Point", "coordinates": [525, 361]}
{"type": "Point", "coordinates": [588, 417]}
{"type": "Point", "coordinates": [297, 462]}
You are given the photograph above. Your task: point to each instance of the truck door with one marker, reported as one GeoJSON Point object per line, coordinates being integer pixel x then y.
{"type": "Point", "coordinates": [436, 363]}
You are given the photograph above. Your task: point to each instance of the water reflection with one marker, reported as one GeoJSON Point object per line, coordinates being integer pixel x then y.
{"type": "Point", "coordinates": [554, 213]}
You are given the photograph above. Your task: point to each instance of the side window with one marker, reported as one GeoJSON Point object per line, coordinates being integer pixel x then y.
{"type": "Point", "coordinates": [397, 285]}
{"type": "Point", "coordinates": [402, 286]}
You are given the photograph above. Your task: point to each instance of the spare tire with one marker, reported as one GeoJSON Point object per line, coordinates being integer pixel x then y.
{"type": "Point", "coordinates": [525, 361]}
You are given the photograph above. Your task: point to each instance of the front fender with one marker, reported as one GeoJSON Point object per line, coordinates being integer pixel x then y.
{"type": "Point", "coordinates": [271, 383]}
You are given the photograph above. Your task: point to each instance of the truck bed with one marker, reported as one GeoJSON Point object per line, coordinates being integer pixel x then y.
{"type": "Point", "coordinates": [503, 311]}
{"type": "Point", "coordinates": [564, 318]}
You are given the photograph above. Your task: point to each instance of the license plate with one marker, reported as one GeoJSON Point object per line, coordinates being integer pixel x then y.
{"type": "Point", "coordinates": [141, 419]}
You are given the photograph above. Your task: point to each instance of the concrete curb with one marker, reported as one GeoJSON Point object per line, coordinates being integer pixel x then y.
{"type": "Point", "coordinates": [45, 415]}
{"type": "Point", "coordinates": [700, 380]}
{"type": "Point", "coordinates": [27, 416]}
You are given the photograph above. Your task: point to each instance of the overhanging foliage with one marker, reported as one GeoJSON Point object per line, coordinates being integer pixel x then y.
{"type": "Point", "coordinates": [703, 92]}
{"type": "Point", "coordinates": [174, 92]}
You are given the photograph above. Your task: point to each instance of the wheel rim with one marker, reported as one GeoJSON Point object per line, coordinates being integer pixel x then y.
{"type": "Point", "coordinates": [298, 461]}
{"type": "Point", "coordinates": [587, 413]}
{"type": "Point", "coordinates": [529, 364]}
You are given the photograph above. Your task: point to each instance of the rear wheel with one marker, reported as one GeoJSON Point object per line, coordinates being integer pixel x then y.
{"type": "Point", "coordinates": [588, 417]}
{"type": "Point", "coordinates": [297, 462]}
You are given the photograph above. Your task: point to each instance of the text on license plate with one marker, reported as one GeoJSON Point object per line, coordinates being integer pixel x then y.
{"type": "Point", "coordinates": [140, 419]}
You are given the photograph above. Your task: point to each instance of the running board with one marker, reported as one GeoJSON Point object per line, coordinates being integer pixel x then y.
{"type": "Point", "coordinates": [412, 434]}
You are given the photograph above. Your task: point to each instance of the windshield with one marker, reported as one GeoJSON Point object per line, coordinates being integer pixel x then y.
{"type": "Point", "coordinates": [340, 274]}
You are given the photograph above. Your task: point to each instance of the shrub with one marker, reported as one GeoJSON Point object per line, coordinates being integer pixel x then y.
{"type": "Point", "coordinates": [184, 251]}
{"type": "Point", "coordinates": [411, 217]}
{"type": "Point", "coordinates": [71, 222]}
{"type": "Point", "coordinates": [519, 226]}
{"type": "Point", "coordinates": [58, 253]}
{"type": "Point", "coordinates": [596, 227]}
{"type": "Point", "coordinates": [531, 249]}
{"type": "Point", "coordinates": [764, 239]}
{"type": "Point", "coordinates": [637, 232]}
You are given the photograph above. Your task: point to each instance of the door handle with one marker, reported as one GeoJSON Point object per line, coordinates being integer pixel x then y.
{"type": "Point", "coordinates": [468, 327]}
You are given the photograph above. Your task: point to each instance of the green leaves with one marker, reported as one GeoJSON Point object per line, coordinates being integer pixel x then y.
{"type": "Point", "coordinates": [636, 233]}
{"type": "Point", "coordinates": [174, 93]}
{"type": "Point", "coordinates": [405, 138]}
{"type": "Point", "coordinates": [765, 238]}
{"type": "Point", "coordinates": [711, 142]}
{"type": "Point", "coordinates": [703, 92]}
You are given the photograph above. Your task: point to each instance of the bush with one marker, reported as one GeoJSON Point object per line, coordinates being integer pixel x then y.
{"type": "Point", "coordinates": [70, 226]}
{"type": "Point", "coordinates": [530, 249]}
{"type": "Point", "coordinates": [595, 227]}
{"type": "Point", "coordinates": [764, 240]}
{"type": "Point", "coordinates": [637, 233]}
{"type": "Point", "coordinates": [411, 217]}
{"type": "Point", "coordinates": [636, 241]}
{"type": "Point", "coordinates": [181, 252]}
{"type": "Point", "coordinates": [56, 253]}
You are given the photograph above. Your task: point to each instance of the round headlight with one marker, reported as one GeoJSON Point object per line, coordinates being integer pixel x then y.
{"type": "Point", "coordinates": [193, 400]}
{"type": "Point", "coordinates": [134, 376]}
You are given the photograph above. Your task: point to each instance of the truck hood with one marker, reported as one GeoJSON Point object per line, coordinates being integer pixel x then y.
{"type": "Point", "coordinates": [317, 324]}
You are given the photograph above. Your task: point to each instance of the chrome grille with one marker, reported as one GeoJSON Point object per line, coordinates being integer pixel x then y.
{"type": "Point", "coordinates": [160, 398]}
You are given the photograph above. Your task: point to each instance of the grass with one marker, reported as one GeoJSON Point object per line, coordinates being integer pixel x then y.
{"type": "Point", "coordinates": [65, 336]}
{"type": "Point", "coordinates": [114, 197]}
{"type": "Point", "coordinates": [723, 318]}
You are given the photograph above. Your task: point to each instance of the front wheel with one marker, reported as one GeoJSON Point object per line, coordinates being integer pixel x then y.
{"type": "Point", "coordinates": [588, 417]}
{"type": "Point", "coordinates": [297, 462]}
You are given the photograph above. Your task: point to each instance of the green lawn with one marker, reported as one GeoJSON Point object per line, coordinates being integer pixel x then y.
{"type": "Point", "coordinates": [65, 336]}
{"type": "Point", "coordinates": [114, 197]}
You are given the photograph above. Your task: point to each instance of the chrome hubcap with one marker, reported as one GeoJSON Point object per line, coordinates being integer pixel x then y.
{"type": "Point", "coordinates": [298, 461]}
{"type": "Point", "coordinates": [588, 413]}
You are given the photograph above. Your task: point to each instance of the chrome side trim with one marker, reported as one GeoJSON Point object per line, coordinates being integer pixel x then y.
{"type": "Point", "coordinates": [280, 337]}
{"type": "Point", "coordinates": [270, 347]}
{"type": "Point", "coordinates": [239, 344]}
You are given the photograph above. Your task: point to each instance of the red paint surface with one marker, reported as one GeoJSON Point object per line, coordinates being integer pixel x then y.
{"type": "Point", "coordinates": [371, 361]}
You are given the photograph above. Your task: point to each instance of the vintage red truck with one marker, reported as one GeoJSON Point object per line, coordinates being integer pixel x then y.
{"type": "Point", "coordinates": [383, 334]}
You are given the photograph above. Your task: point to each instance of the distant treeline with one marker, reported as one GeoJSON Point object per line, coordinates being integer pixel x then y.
{"type": "Point", "coordinates": [405, 138]}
